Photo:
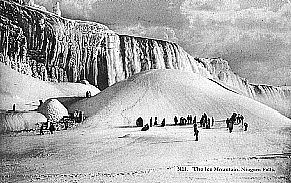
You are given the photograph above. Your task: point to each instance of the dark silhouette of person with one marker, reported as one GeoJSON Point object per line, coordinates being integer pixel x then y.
{"type": "Point", "coordinates": [176, 120]}
{"type": "Point", "coordinates": [197, 133]}
{"type": "Point", "coordinates": [156, 121]}
{"type": "Point", "coordinates": [81, 116]}
{"type": "Point", "coordinates": [145, 128]}
{"type": "Point", "coordinates": [233, 117]}
{"type": "Point", "coordinates": [238, 118]}
{"type": "Point", "coordinates": [242, 119]}
{"type": "Point", "coordinates": [205, 116]}
{"type": "Point", "coordinates": [194, 120]}
{"type": "Point", "coordinates": [212, 120]}
{"type": "Point", "coordinates": [66, 125]}
{"type": "Point", "coordinates": [41, 129]}
{"type": "Point", "coordinates": [181, 120]}
{"type": "Point", "coordinates": [227, 122]}
{"type": "Point", "coordinates": [151, 122]}
{"type": "Point", "coordinates": [204, 120]}
{"type": "Point", "coordinates": [191, 119]}
{"type": "Point", "coordinates": [52, 128]}
{"type": "Point", "coordinates": [139, 122]}
{"type": "Point", "coordinates": [201, 121]}
{"type": "Point", "coordinates": [230, 126]}
{"type": "Point", "coordinates": [40, 103]}
{"type": "Point", "coordinates": [195, 128]}
{"type": "Point", "coordinates": [246, 126]}
{"type": "Point", "coordinates": [14, 107]}
{"type": "Point", "coordinates": [208, 123]}
{"type": "Point", "coordinates": [163, 122]}
{"type": "Point", "coordinates": [88, 94]}
{"type": "Point", "coordinates": [76, 115]}
{"type": "Point", "coordinates": [184, 121]}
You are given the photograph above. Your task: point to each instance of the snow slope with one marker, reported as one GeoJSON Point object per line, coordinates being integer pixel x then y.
{"type": "Point", "coordinates": [166, 93]}
{"type": "Point", "coordinates": [25, 91]}
{"type": "Point", "coordinates": [20, 121]}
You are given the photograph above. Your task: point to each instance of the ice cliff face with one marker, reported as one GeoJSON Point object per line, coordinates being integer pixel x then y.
{"type": "Point", "coordinates": [44, 45]}
{"type": "Point", "coordinates": [49, 47]}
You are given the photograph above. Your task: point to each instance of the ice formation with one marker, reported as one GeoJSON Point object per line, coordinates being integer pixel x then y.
{"type": "Point", "coordinates": [53, 110]}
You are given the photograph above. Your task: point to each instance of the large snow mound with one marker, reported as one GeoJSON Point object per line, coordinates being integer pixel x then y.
{"type": "Point", "coordinates": [166, 93]}
{"type": "Point", "coordinates": [26, 91]}
{"type": "Point", "coordinates": [53, 110]}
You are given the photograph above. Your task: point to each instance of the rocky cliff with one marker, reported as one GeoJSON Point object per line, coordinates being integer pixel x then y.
{"type": "Point", "coordinates": [44, 45]}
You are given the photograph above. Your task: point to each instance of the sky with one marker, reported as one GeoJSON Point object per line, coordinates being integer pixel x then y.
{"type": "Point", "coordinates": [254, 36]}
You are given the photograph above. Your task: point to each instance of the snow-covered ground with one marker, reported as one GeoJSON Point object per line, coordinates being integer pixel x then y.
{"type": "Point", "coordinates": [26, 91]}
{"type": "Point", "coordinates": [106, 148]}
{"type": "Point", "coordinates": [130, 155]}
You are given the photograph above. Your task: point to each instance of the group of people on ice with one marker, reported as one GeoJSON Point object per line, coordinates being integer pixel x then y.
{"type": "Point", "coordinates": [205, 122]}
{"type": "Point", "coordinates": [139, 123]}
{"type": "Point", "coordinates": [184, 121]}
{"type": "Point", "coordinates": [236, 119]}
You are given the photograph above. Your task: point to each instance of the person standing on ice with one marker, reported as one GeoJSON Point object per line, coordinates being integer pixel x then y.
{"type": "Point", "coordinates": [246, 126]}
{"type": "Point", "coordinates": [163, 122]}
{"type": "Point", "coordinates": [181, 120]}
{"type": "Point", "coordinates": [205, 120]}
{"type": "Point", "coordinates": [76, 114]}
{"type": "Point", "coordinates": [176, 120]}
{"type": "Point", "coordinates": [188, 119]}
{"type": "Point", "coordinates": [227, 122]}
{"type": "Point", "coordinates": [242, 120]}
{"type": "Point", "coordinates": [197, 132]}
{"type": "Point", "coordinates": [151, 122]}
{"type": "Point", "coordinates": [52, 128]}
{"type": "Point", "coordinates": [212, 121]}
{"type": "Point", "coordinates": [208, 123]}
{"type": "Point", "coordinates": [194, 120]}
{"type": "Point", "coordinates": [139, 122]}
{"type": "Point", "coordinates": [238, 119]}
{"type": "Point", "coordinates": [41, 129]}
{"type": "Point", "coordinates": [195, 128]}
{"type": "Point", "coordinates": [230, 126]}
{"type": "Point", "coordinates": [191, 118]}
{"type": "Point", "coordinates": [233, 117]}
{"type": "Point", "coordinates": [201, 121]}
{"type": "Point", "coordinates": [156, 121]}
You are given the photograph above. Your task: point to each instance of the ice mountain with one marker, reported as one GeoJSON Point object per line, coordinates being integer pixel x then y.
{"type": "Point", "coordinates": [165, 93]}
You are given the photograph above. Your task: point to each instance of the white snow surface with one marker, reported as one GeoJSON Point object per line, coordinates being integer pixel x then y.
{"type": "Point", "coordinates": [166, 93]}
{"type": "Point", "coordinates": [26, 91]}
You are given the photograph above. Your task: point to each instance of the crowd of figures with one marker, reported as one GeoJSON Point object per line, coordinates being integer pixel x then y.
{"type": "Point", "coordinates": [236, 119]}
{"type": "Point", "coordinates": [139, 123]}
{"type": "Point", "coordinates": [205, 122]}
